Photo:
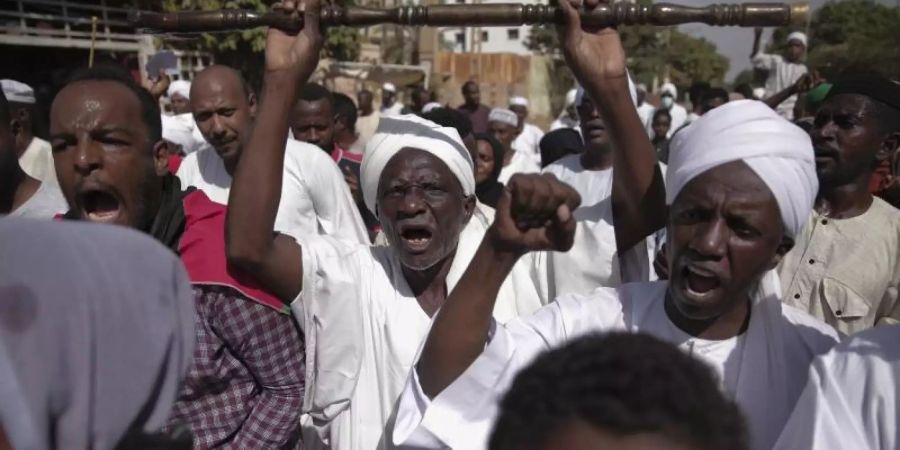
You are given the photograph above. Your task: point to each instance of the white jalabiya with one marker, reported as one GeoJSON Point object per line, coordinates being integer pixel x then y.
{"type": "Point", "coordinates": [37, 161]}
{"type": "Point", "coordinates": [529, 142]}
{"type": "Point", "coordinates": [315, 198]}
{"type": "Point", "coordinates": [594, 260]}
{"type": "Point", "coordinates": [363, 326]}
{"type": "Point", "coordinates": [764, 369]}
{"type": "Point", "coordinates": [782, 74]}
{"type": "Point", "coordinates": [181, 129]}
{"type": "Point", "coordinates": [852, 397]}
{"type": "Point", "coordinates": [519, 163]}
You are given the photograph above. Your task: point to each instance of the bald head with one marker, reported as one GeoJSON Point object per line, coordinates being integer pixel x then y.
{"type": "Point", "coordinates": [224, 108]}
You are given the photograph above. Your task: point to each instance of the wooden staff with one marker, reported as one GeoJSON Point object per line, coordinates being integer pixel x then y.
{"type": "Point", "coordinates": [482, 15]}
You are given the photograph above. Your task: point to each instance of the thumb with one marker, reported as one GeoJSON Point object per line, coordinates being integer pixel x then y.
{"type": "Point", "coordinates": [571, 20]}
{"type": "Point", "coordinates": [311, 16]}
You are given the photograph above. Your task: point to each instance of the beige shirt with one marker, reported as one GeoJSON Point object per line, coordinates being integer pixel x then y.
{"type": "Point", "coordinates": [847, 272]}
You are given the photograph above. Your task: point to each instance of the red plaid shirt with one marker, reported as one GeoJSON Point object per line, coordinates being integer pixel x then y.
{"type": "Point", "coordinates": [245, 386]}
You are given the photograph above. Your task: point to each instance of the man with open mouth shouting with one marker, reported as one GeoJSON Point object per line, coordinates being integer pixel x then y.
{"type": "Point", "coordinates": [245, 386]}
{"type": "Point", "coordinates": [740, 184]}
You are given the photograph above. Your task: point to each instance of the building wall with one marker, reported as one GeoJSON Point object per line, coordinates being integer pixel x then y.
{"type": "Point", "coordinates": [492, 39]}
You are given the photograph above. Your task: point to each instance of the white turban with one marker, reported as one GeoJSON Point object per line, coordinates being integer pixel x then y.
{"type": "Point", "coordinates": [16, 91]}
{"type": "Point", "coordinates": [504, 115]}
{"type": "Point", "coordinates": [389, 87]}
{"type": "Point", "coordinates": [180, 87]}
{"type": "Point", "coordinates": [180, 130]}
{"type": "Point", "coordinates": [410, 131]}
{"type": "Point", "coordinates": [779, 152]}
{"type": "Point", "coordinates": [797, 36]}
{"type": "Point", "coordinates": [518, 101]}
{"type": "Point", "coordinates": [669, 88]}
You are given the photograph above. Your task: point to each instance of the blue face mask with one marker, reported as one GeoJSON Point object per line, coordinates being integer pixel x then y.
{"type": "Point", "coordinates": [667, 102]}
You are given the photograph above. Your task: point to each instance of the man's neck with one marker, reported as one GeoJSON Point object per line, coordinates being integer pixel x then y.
{"type": "Point", "coordinates": [16, 189]}
{"type": "Point", "coordinates": [367, 113]}
{"type": "Point", "coordinates": [430, 285]}
{"type": "Point", "coordinates": [730, 324]}
{"type": "Point", "coordinates": [845, 201]}
{"type": "Point", "coordinates": [471, 107]}
{"type": "Point", "coordinates": [595, 158]}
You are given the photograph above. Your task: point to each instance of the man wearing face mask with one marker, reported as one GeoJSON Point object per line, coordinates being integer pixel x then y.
{"type": "Point", "coordinates": [668, 100]}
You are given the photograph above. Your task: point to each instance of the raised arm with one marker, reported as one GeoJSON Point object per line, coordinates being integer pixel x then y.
{"type": "Point", "coordinates": [802, 86]}
{"type": "Point", "coordinates": [597, 59]}
{"type": "Point", "coordinates": [534, 214]}
{"type": "Point", "coordinates": [273, 259]}
{"type": "Point", "coordinates": [757, 36]}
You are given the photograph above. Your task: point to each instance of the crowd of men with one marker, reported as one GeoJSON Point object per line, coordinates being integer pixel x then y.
{"type": "Point", "coordinates": [289, 267]}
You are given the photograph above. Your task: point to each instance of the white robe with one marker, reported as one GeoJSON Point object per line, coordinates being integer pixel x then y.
{"type": "Point", "coordinates": [764, 369]}
{"type": "Point", "coordinates": [519, 163]}
{"type": "Point", "coordinates": [594, 260]}
{"type": "Point", "coordinates": [850, 402]}
{"type": "Point", "coordinates": [315, 198]}
{"type": "Point", "coordinates": [529, 142]}
{"type": "Point", "coordinates": [37, 161]}
{"type": "Point", "coordinates": [364, 328]}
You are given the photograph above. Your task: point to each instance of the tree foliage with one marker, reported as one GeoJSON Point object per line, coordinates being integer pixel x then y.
{"type": "Point", "coordinates": [851, 35]}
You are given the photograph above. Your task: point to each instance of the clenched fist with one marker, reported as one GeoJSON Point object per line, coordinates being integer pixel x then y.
{"type": "Point", "coordinates": [535, 213]}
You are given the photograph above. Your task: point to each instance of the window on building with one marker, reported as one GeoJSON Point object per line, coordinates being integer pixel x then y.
{"type": "Point", "coordinates": [512, 34]}
{"type": "Point", "coordinates": [484, 36]}
{"type": "Point", "coordinates": [460, 38]}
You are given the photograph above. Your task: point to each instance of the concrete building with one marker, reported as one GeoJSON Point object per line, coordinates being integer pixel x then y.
{"type": "Point", "coordinates": [488, 39]}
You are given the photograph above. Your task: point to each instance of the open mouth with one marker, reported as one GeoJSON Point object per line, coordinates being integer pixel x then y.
{"type": "Point", "coordinates": [698, 283]}
{"type": "Point", "coordinates": [99, 206]}
{"type": "Point", "coordinates": [416, 238]}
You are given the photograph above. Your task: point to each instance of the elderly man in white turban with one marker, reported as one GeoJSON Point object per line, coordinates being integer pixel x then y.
{"type": "Point", "coordinates": [741, 183]}
{"type": "Point", "coordinates": [179, 94]}
{"type": "Point", "coordinates": [503, 125]}
{"type": "Point", "coordinates": [35, 154]}
{"type": "Point", "coordinates": [528, 137]}
{"type": "Point", "coordinates": [364, 310]}
{"type": "Point", "coordinates": [784, 70]}
{"type": "Point", "coordinates": [852, 397]}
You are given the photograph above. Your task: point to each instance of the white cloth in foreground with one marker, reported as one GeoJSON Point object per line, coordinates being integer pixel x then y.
{"type": "Point", "coordinates": [46, 203]}
{"type": "Point", "coordinates": [37, 161]}
{"type": "Point", "coordinates": [519, 163]}
{"type": "Point", "coordinates": [182, 130]}
{"type": "Point", "coordinates": [764, 369]}
{"type": "Point", "coordinates": [850, 402]}
{"type": "Point", "coordinates": [782, 74]}
{"type": "Point", "coordinates": [314, 197]}
{"type": "Point", "coordinates": [362, 324]}
{"type": "Point", "coordinates": [529, 142]}
{"type": "Point", "coordinates": [179, 87]}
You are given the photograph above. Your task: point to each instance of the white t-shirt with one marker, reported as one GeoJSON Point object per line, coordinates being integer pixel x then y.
{"type": "Point", "coordinates": [771, 360]}
{"type": "Point", "coordinates": [528, 142]}
{"type": "Point", "coordinates": [45, 203]}
{"type": "Point", "coordinates": [315, 198]}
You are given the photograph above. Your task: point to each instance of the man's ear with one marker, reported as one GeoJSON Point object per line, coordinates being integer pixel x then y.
{"type": "Point", "coordinates": [784, 247]}
{"type": "Point", "coordinates": [251, 102]}
{"type": "Point", "coordinates": [889, 146]}
{"type": "Point", "coordinates": [161, 157]}
{"type": "Point", "coordinates": [469, 207]}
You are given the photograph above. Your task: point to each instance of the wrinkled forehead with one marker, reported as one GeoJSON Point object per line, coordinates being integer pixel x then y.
{"type": "Point", "coordinates": [415, 165]}
{"type": "Point", "coordinates": [89, 105]}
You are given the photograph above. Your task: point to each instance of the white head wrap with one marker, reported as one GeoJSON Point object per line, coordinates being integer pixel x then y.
{"type": "Point", "coordinates": [518, 101]}
{"type": "Point", "coordinates": [16, 91]}
{"type": "Point", "coordinates": [504, 115]}
{"type": "Point", "coordinates": [180, 87]}
{"type": "Point", "coordinates": [431, 106]}
{"type": "Point", "coordinates": [410, 131]}
{"type": "Point", "coordinates": [669, 88]}
{"type": "Point", "coordinates": [389, 87]}
{"type": "Point", "coordinates": [570, 97]}
{"type": "Point", "coordinates": [779, 152]}
{"type": "Point", "coordinates": [797, 36]}
{"type": "Point", "coordinates": [179, 130]}
{"type": "Point", "coordinates": [759, 93]}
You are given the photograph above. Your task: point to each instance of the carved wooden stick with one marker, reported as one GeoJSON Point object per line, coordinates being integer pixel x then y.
{"type": "Point", "coordinates": [484, 15]}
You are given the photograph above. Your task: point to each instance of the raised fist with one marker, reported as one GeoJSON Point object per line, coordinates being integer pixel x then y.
{"type": "Point", "coordinates": [535, 213]}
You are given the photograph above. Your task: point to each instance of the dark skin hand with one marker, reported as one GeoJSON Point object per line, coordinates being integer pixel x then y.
{"type": "Point", "coordinates": [274, 260]}
{"type": "Point", "coordinates": [535, 213]}
{"type": "Point", "coordinates": [597, 60]}
{"type": "Point", "coordinates": [800, 87]}
{"type": "Point", "coordinates": [160, 85]}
